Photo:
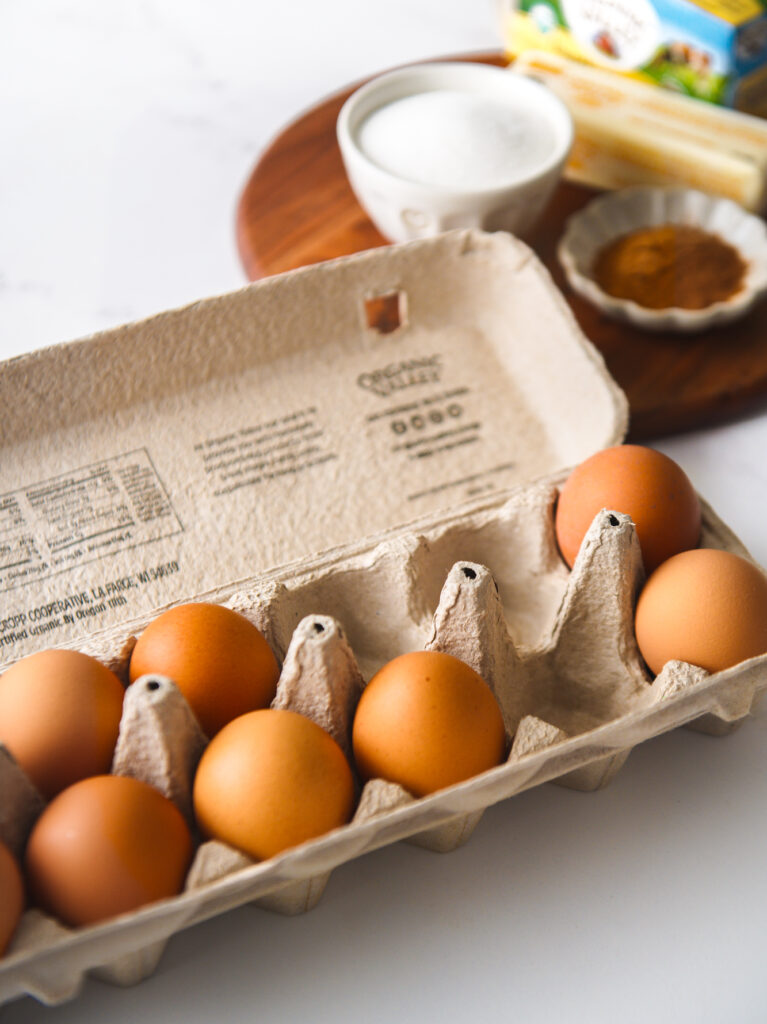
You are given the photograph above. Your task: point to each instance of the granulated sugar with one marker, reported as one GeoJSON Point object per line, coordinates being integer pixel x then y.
{"type": "Point", "coordinates": [458, 140]}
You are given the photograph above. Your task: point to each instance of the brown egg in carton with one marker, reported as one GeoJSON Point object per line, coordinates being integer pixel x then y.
{"type": "Point", "coordinates": [556, 646]}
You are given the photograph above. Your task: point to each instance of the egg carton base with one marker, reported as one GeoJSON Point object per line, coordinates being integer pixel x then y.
{"type": "Point", "coordinates": [581, 673]}
{"type": "Point", "coordinates": [713, 725]}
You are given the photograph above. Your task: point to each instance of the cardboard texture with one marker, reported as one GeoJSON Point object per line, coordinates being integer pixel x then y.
{"type": "Point", "coordinates": [213, 443]}
{"type": "Point", "coordinates": [429, 535]}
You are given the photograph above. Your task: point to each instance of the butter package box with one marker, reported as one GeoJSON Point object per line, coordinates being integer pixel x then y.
{"type": "Point", "coordinates": [713, 50]}
{"type": "Point", "coordinates": [363, 459]}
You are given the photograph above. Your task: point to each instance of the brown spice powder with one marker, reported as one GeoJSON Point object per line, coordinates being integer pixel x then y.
{"type": "Point", "coordinates": [670, 265]}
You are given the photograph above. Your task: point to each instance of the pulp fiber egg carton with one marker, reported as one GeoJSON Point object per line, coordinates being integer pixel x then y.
{"type": "Point", "coordinates": [363, 458]}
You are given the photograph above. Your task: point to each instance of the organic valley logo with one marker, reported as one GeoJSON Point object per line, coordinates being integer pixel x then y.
{"type": "Point", "coordinates": [405, 374]}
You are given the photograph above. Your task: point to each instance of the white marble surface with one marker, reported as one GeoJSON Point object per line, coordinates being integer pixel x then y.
{"type": "Point", "coordinates": [127, 133]}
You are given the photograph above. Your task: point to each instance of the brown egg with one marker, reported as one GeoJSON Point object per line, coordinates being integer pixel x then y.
{"type": "Point", "coordinates": [218, 659]}
{"type": "Point", "coordinates": [11, 896]}
{"type": "Point", "coordinates": [643, 484]}
{"type": "Point", "coordinates": [106, 845]}
{"type": "Point", "coordinates": [270, 780]}
{"type": "Point", "coordinates": [706, 607]}
{"type": "Point", "coordinates": [59, 717]}
{"type": "Point", "coordinates": [426, 720]}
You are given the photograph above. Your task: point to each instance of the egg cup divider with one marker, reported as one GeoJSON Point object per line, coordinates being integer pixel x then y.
{"type": "Point", "coordinates": [160, 740]}
{"type": "Point", "coordinates": [21, 804]}
{"type": "Point", "coordinates": [556, 691]}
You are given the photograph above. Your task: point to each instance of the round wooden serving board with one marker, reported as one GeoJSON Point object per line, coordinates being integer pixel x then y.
{"type": "Point", "coordinates": [297, 208]}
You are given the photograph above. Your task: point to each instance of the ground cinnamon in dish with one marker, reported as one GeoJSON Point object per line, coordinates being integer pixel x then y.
{"type": "Point", "coordinates": [670, 265]}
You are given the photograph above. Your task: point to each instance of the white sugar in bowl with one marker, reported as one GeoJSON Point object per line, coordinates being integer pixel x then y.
{"type": "Point", "coordinates": [432, 147]}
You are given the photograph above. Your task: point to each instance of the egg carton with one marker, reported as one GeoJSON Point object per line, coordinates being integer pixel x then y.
{"type": "Point", "coordinates": [167, 417]}
{"type": "Point", "coordinates": [557, 647]}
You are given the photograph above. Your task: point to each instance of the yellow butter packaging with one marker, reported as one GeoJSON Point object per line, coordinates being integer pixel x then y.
{"type": "Point", "coordinates": [714, 50]}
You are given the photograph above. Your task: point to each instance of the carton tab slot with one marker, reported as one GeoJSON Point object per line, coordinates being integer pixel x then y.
{"type": "Point", "coordinates": [385, 313]}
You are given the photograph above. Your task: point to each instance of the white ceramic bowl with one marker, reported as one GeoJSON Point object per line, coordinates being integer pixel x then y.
{"type": "Point", "coordinates": [619, 213]}
{"type": "Point", "coordinates": [403, 209]}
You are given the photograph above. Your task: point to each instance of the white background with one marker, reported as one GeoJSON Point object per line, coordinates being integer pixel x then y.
{"type": "Point", "coordinates": [128, 131]}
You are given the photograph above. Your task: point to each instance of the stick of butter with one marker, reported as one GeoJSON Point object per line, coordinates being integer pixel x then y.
{"type": "Point", "coordinates": [629, 133]}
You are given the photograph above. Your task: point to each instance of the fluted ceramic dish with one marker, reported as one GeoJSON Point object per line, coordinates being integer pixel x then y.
{"type": "Point", "coordinates": [619, 213]}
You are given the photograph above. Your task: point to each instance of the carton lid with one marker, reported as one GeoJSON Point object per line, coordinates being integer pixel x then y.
{"type": "Point", "coordinates": [150, 463]}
